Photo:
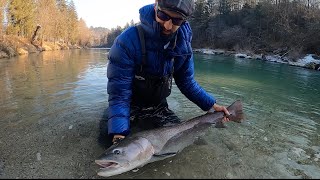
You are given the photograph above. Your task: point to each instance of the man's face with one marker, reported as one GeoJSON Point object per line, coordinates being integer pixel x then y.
{"type": "Point", "coordinates": [169, 21]}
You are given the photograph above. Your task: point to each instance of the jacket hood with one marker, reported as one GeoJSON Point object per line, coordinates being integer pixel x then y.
{"type": "Point", "coordinates": [148, 22]}
{"type": "Point", "coordinates": [152, 30]}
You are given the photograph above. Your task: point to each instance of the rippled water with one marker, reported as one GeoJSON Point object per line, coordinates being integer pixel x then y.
{"type": "Point", "coordinates": [51, 104]}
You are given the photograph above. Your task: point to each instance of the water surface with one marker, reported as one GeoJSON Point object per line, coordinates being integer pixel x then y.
{"type": "Point", "coordinates": [51, 104]}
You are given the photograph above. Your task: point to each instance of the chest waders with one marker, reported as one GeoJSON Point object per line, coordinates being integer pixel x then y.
{"type": "Point", "coordinates": [149, 107]}
{"type": "Point", "coordinates": [149, 90]}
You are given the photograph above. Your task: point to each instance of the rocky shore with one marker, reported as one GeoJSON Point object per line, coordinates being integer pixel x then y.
{"type": "Point", "coordinates": [11, 46]}
{"type": "Point", "coordinates": [310, 61]}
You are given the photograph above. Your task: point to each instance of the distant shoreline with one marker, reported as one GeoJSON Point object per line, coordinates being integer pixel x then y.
{"type": "Point", "coordinates": [310, 61]}
{"type": "Point", "coordinates": [99, 48]}
{"type": "Point", "coordinates": [11, 46]}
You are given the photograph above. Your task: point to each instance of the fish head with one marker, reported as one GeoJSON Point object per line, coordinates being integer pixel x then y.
{"type": "Point", "coordinates": [125, 156]}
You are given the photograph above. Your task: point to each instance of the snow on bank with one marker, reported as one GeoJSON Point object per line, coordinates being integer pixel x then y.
{"type": "Point", "coordinates": [304, 62]}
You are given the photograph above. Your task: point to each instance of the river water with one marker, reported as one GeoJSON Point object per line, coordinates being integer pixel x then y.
{"type": "Point", "coordinates": [51, 104]}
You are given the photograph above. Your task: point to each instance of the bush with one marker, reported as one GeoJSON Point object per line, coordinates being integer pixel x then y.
{"type": "Point", "coordinates": [7, 49]}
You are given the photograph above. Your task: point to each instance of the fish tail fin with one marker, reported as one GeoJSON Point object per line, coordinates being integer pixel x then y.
{"type": "Point", "coordinates": [236, 111]}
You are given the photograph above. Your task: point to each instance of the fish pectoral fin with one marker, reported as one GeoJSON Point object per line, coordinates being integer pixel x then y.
{"type": "Point", "coordinates": [165, 155]}
{"type": "Point", "coordinates": [159, 156]}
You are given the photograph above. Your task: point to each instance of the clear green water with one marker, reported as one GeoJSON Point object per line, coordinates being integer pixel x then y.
{"type": "Point", "coordinates": [51, 103]}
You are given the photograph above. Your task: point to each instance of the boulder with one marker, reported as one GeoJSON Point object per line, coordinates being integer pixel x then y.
{"type": "Point", "coordinates": [22, 51]}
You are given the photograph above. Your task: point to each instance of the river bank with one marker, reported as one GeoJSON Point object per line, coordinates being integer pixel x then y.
{"type": "Point", "coordinates": [309, 61]}
{"type": "Point", "coordinates": [11, 46]}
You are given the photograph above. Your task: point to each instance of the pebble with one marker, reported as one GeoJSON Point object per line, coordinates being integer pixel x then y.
{"type": "Point", "coordinates": [298, 151]}
{"type": "Point", "coordinates": [229, 176]}
{"type": "Point", "coordinates": [1, 168]}
{"type": "Point", "coordinates": [70, 127]}
{"type": "Point", "coordinates": [265, 139]}
{"type": "Point", "coordinates": [135, 170]}
{"type": "Point", "coordinates": [38, 156]}
{"type": "Point", "coordinates": [168, 174]}
{"type": "Point", "coordinates": [317, 157]}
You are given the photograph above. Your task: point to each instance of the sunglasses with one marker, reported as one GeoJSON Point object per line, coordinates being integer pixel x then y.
{"type": "Point", "coordinates": [165, 17]}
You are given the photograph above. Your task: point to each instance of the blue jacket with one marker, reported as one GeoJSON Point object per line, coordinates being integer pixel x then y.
{"type": "Point", "coordinates": [125, 56]}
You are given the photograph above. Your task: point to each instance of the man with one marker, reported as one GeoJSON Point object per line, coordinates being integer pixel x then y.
{"type": "Point", "coordinates": [139, 85]}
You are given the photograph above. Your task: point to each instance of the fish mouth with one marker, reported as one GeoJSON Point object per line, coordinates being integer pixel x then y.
{"type": "Point", "coordinates": [107, 164]}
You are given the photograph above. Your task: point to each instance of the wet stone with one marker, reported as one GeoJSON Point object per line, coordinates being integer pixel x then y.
{"type": "Point", "coordinates": [1, 168]}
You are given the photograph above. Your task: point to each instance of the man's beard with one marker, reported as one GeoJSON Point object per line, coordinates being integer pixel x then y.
{"type": "Point", "coordinates": [166, 37]}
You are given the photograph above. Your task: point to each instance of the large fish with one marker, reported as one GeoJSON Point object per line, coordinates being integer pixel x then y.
{"type": "Point", "coordinates": [157, 144]}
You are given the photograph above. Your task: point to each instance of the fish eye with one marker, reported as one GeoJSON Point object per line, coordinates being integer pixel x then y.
{"type": "Point", "coordinates": [116, 151]}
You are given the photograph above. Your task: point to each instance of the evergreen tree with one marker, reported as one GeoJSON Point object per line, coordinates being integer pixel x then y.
{"type": "Point", "coordinates": [84, 33]}
{"type": "Point", "coordinates": [61, 31]}
{"type": "Point", "coordinates": [224, 7]}
{"type": "Point", "coordinates": [72, 25]}
{"type": "Point", "coordinates": [21, 17]}
{"type": "Point", "coordinates": [46, 13]}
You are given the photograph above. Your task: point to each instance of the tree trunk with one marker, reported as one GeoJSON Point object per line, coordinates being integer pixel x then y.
{"type": "Point", "coordinates": [35, 34]}
{"type": "Point", "coordinates": [34, 39]}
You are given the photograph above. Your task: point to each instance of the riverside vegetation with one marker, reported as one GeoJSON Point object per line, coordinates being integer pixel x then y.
{"type": "Point", "coordinates": [288, 29]}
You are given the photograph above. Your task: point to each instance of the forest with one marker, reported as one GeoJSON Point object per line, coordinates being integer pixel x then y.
{"type": "Point", "coordinates": [285, 27]}
{"type": "Point", "coordinates": [58, 20]}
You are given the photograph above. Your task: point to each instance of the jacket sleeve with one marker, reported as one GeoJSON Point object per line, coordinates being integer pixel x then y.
{"type": "Point", "coordinates": [120, 74]}
{"type": "Point", "coordinates": [184, 78]}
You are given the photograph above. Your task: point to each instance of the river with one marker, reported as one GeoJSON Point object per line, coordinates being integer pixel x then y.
{"type": "Point", "coordinates": [51, 104]}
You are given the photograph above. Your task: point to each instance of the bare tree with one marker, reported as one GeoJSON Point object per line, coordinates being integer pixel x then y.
{"type": "Point", "coordinates": [251, 3]}
{"type": "Point", "coordinates": [2, 7]}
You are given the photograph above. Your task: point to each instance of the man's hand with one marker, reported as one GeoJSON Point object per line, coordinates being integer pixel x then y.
{"type": "Point", "coordinates": [117, 138]}
{"type": "Point", "coordinates": [217, 107]}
